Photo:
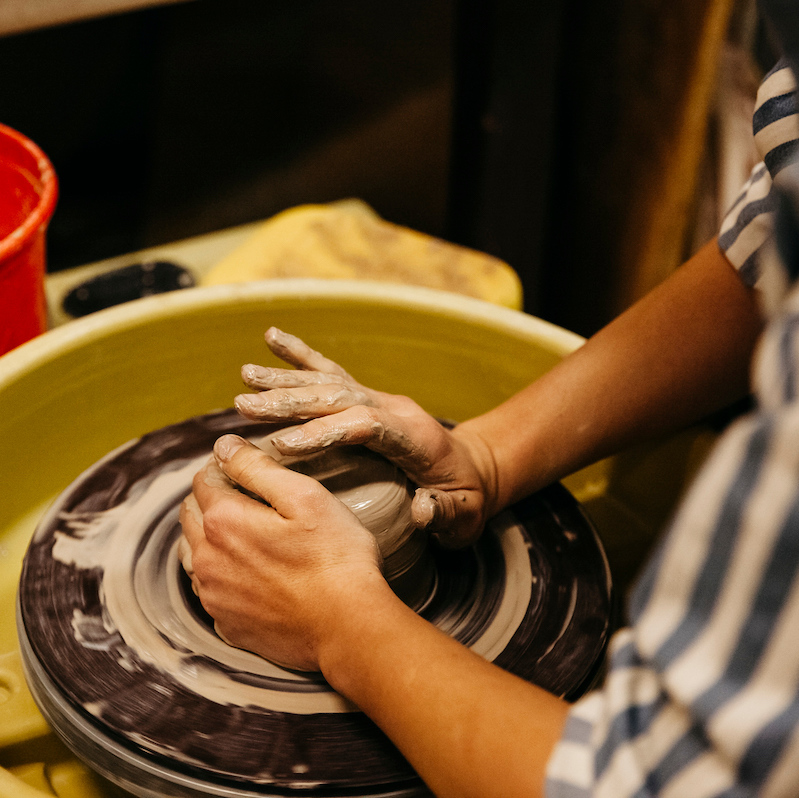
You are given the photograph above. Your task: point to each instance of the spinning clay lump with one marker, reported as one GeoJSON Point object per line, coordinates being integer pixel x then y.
{"type": "Point", "coordinates": [126, 667]}
{"type": "Point", "coordinates": [380, 496]}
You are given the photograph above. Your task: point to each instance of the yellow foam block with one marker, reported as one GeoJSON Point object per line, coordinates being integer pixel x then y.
{"type": "Point", "coordinates": [348, 240]}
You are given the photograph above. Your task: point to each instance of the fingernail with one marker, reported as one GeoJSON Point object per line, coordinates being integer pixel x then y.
{"type": "Point", "coordinates": [272, 335]}
{"type": "Point", "coordinates": [249, 401]}
{"type": "Point", "coordinates": [290, 439]}
{"type": "Point", "coordinates": [226, 446]}
{"type": "Point", "coordinates": [425, 504]}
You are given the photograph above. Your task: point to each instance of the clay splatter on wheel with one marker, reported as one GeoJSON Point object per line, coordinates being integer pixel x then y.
{"type": "Point", "coordinates": [127, 668]}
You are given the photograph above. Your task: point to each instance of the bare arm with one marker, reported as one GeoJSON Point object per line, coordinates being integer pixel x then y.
{"type": "Point", "coordinates": [298, 582]}
{"type": "Point", "coordinates": [468, 727]}
{"type": "Point", "coordinates": [679, 353]}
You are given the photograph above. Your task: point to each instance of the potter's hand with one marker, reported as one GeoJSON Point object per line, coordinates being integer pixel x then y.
{"type": "Point", "coordinates": [273, 575]}
{"type": "Point", "coordinates": [454, 471]}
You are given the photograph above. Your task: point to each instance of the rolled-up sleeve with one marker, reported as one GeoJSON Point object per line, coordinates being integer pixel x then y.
{"type": "Point", "coordinates": [748, 224]}
{"type": "Point", "coordinates": [702, 692]}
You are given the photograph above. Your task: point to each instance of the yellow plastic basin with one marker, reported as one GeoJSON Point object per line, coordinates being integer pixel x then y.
{"type": "Point", "coordinates": [72, 395]}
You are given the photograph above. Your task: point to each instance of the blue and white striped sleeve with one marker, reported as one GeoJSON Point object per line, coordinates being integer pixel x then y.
{"type": "Point", "coordinates": [748, 223]}
{"type": "Point", "coordinates": [702, 696]}
{"type": "Point", "coordinates": [702, 693]}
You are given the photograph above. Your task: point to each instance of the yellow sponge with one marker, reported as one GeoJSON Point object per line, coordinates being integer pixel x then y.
{"type": "Point", "coordinates": [348, 240]}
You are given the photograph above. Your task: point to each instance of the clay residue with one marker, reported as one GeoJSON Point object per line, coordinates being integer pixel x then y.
{"type": "Point", "coordinates": [380, 495]}
{"type": "Point", "coordinates": [135, 545]}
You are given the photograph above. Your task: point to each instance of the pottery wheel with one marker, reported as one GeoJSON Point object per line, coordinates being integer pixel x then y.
{"type": "Point", "coordinates": [126, 667]}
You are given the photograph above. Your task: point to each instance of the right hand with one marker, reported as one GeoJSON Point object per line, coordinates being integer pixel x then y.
{"type": "Point", "coordinates": [275, 574]}
{"type": "Point", "coordinates": [454, 472]}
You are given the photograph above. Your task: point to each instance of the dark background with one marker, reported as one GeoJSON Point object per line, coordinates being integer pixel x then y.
{"type": "Point", "coordinates": [501, 125]}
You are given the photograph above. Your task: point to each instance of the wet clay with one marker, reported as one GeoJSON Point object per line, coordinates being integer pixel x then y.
{"type": "Point", "coordinates": [380, 495]}
{"type": "Point", "coordinates": [125, 664]}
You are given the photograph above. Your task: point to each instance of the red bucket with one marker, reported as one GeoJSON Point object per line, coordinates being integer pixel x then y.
{"type": "Point", "coordinates": [28, 191]}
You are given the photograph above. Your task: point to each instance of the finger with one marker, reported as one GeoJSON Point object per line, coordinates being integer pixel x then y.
{"type": "Point", "coordinates": [300, 403]}
{"type": "Point", "coordinates": [260, 378]}
{"type": "Point", "coordinates": [224, 504]}
{"type": "Point", "coordinates": [185, 557]}
{"type": "Point", "coordinates": [451, 516]}
{"type": "Point", "coordinates": [191, 520]}
{"type": "Point", "coordinates": [255, 471]}
{"type": "Point", "coordinates": [209, 485]}
{"type": "Point", "coordinates": [296, 352]}
{"type": "Point", "coordinates": [372, 427]}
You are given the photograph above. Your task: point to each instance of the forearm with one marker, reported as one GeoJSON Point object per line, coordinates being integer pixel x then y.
{"type": "Point", "coordinates": [466, 726]}
{"type": "Point", "coordinates": [296, 579]}
{"type": "Point", "coordinates": [681, 352]}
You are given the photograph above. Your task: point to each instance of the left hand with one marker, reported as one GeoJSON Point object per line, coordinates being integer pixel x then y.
{"type": "Point", "coordinates": [276, 577]}
{"type": "Point", "coordinates": [453, 471]}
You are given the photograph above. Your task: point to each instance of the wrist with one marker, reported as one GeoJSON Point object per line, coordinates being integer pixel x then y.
{"type": "Point", "coordinates": [351, 632]}
{"type": "Point", "coordinates": [479, 451]}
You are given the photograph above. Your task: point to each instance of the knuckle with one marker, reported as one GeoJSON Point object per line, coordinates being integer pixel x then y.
{"type": "Point", "coordinates": [368, 426]}
{"type": "Point", "coordinates": [338, 396]}
{"type": "Point", "coordinates": [217, 522]}
{"type": "Point", "coordinates": [248, 473]}
{"type": "Point", "coordinates": [202, 563]}
{"type": "Point", "coordinates": [370, 422]}
{"type": "Point", "coordinates": [308, 493]}
{"type": "Point", "coordinates": [246, 466]}
{"type": "Point", "coordinates": [212, 604]}
{"type": "Point", "coordinates": [369, 414]}
{"type": "Point", "coordinates": [404, 404]}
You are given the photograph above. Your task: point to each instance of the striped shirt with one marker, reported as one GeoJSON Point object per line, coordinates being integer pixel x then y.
{"type": "Point", "coordinates": [702, 693]}
{"type": "Point", "coordinates": [748, 223]}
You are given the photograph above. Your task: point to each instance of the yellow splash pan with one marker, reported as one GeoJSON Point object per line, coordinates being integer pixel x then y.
{"type": "Point", "coordinates": [74, 394]}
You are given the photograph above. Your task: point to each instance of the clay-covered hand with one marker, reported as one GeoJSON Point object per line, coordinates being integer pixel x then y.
{"type": "Point", "coordinates": [453, 471]}
{"type": "Point", "coordinates": [273, 575]}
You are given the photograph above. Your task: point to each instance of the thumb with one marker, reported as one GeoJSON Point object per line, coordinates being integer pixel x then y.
{"type": "Point", "coordinates": [260, 475]}
{"type": "Point", "coordinates": [453, 517]}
